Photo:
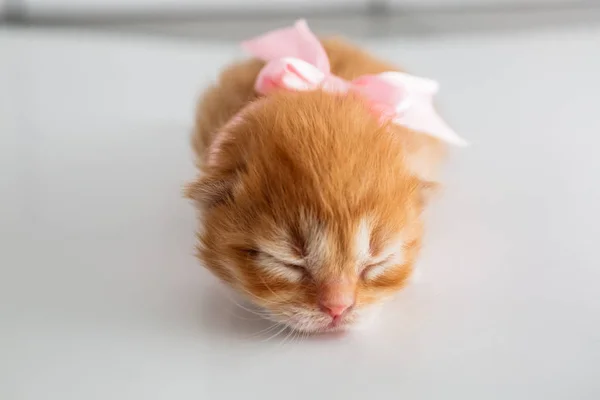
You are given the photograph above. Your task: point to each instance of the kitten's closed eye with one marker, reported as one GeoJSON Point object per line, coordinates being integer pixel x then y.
{"type": "Point", "coordinates": [273, 265]}
{"type": "Point", "coordinates": [378, 267]}
{"type": "Point", "coordinates": [371, 269]}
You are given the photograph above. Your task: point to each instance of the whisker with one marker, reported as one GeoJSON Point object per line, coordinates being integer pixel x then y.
{"type": "Point", "coordinates": [275, 335]}
{"type": "Point", "coordinates": [292, 331]}
{"type": "Point", "coordinates": [293, 338]}
{"type": "Point", "coordinates": [265, 331]}
{"type": "Point", "coordinates": [245, 318]}
{"type": "Point", "coordinates": [240, 286]}
{"type": "Point", "coordinates": [255, 312]}
{"type": "Point", "coordinates": [252, 295]}
{"type": "Point", "coordinates": [301, 336]}
{"type": "Point", "coordinates": [268, 315]}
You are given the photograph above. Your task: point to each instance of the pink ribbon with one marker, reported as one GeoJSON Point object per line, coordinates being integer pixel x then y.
{"type": "Point", "coordinates": [296, 60]}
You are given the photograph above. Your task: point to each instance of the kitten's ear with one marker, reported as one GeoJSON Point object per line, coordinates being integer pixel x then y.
{"type": "Point", "coordinates": [209, 191]}
{"type": "Point", "coordinates": [220, 172]}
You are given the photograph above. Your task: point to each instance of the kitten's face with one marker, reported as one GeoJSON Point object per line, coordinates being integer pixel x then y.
{"type": "Point", "coordinates": [308, 211]}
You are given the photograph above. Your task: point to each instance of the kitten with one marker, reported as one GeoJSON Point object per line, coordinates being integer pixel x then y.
{"type": "Point", "coordinates": [309, 205]}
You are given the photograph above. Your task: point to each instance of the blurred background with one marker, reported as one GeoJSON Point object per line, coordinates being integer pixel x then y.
{"type": "Point", "coordinates": [237, 18]}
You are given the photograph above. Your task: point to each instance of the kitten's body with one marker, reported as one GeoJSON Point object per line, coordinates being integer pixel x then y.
{"type": "Point", "coordinates": [309, 205]}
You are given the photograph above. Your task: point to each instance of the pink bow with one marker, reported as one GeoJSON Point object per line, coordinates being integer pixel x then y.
{"type": "Point", "coordinates": [296, 60]}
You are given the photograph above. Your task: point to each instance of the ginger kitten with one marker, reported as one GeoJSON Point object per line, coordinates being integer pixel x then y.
{"type": "Point", "coordinates": [310, 203]}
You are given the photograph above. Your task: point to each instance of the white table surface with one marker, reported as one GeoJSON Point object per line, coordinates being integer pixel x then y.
{"type": "Point", "coordinates": [101, 298]}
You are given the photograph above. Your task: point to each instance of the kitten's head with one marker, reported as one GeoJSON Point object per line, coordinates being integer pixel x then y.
{"type": "Point", "coordinates": [307, 209]}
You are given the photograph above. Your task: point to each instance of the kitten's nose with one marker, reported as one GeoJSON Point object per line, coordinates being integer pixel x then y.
{"type": "Point", "coordinates": [336, 297]}
{"type": "Point", "coordinates": [335, 310]}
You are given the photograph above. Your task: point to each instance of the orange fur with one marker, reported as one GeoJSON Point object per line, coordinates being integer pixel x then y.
{"type": "Point", "coordinates": [297, 175]}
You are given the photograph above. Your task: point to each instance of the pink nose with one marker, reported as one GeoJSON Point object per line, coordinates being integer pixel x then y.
{"type": "Point", "coordinates": [335, 310]}
{"type": "Point", "coordinates": [336, 297]}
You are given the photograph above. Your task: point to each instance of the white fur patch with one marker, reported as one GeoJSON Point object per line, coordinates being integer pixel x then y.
{"type": "Point", "coordinates": [362, 242]}
{"type": "Point", "coordinates": [318, 246]}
